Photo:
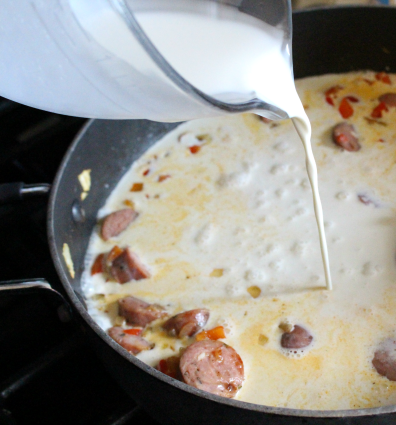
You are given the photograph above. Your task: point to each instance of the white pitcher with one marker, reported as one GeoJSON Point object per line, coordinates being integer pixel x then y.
{"type": "Point", "coordinates": [92, 58]}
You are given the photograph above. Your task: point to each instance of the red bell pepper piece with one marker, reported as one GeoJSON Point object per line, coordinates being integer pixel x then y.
{"type": "Point", "coordinates": [345, 108]}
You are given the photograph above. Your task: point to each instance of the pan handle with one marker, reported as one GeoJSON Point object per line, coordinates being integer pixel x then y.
{"type": "Point", "coordinates": [37, 286]}
{"type": "Point", "coordinates": [16, 192]}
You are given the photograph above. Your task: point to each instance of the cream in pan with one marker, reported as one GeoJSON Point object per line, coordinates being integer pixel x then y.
{"type": "Point", "coordinates": [226, 223]}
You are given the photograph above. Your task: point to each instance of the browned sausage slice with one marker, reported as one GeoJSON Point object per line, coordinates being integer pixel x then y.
{"type": "Point", "coordinates": [212, 366]}
{"type": "Point", "coordinates": [133, 343]}
{"type": "Point", "coordinates": [296, 338]}
{"type": "Point", "coordinates": [388, 98]}
{"type": "Point", "coordinates": [139, 313]}
{"type": "Point", "coordinates": [127, 266]}
{"type": "Point", "coordinates": [384, 359]}
{"type": "Point", "coordinates": [344, 135]}
{"type": "Point", "coordinates": [187, 323]}
{"type": "Point", "coordinates": [117, 222]}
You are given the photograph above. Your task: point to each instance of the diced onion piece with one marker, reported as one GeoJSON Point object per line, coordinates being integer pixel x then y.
{"type": "Point", "coordinates": [286, 326]}
{"type": "Point", "coordinates": [217, 273]}
{"type": "Point", "coordinates": [129, 203]}
{"type": "Point", "coordinates": [254, 291]}
{"type": "Point", "coordinates": [262, 339]}
{"type": "Point", "coordinates": [204, 138]}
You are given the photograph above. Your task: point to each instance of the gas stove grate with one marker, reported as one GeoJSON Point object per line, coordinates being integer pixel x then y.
{"type": "Point", "coordinates": [51, 375]}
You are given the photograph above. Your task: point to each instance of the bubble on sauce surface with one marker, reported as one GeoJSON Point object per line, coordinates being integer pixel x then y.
{"type": "Point", "coordinates": [342, 196]}
{"type": "Point", "coordinates": [240, 230]}
{"type": "Point", "coordinates": [281, 193]}
{"type": "Point", "coordinates": [188, 139]}
{"type": "Point", "coordinates": [370, 269]}
{"type": "Point", "coordinates": [225, 132]}
{"type": "Point", "coordinates": [227, 324]}
{"type": "Point", "coordinates": [291, 182]}
{"type": "Point", "coordinates": [283, 147]}
{"type": "Point", "coordinates": [232, 289]}
{"type": "Point", "coordinates": [260, 198]}
{"type": "Point", "coordinates": [297, 353]}
{"type": "Point", "coordinates": [254, 275]}
{"type": "Point", "coordinates": [279, 169]}
{"type": "Point", "coordinates": [369, 171]}
{"type": "Point", "coordinates": [299, 248]}
{"type": "Point", "coordinates": [236, 179]}
{"type": "Point", "coordinates": [347, 270]}
{"type": "Point", "coordinates": [276, 265]}
{"type": "Point", "coordinates": [305, 184]}
{"type": "Point", "coordinates": [272, 247]}
{"type": "Point", "coordinates": [205, 234]}
{"type": "Point", "coordinates": [301, 211]}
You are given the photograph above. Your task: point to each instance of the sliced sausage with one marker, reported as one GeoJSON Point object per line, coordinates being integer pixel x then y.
{"type": "Point", "coordinates": [127, 266]}
{"type": "Point", "coordinates": [187, 323]}
{"type": "Point", "coordinates": [344, 135]}
{"type": "Point", "coordinates": [384, 360]}
{"type": "Point", "coordinates": [298, 337]}
{"type": "Point", "coordinates": [117, 222]}
{"type": "Point", "coordinates": [133, 343]}
{"type": "Point", "coordinates": [388, 98]}
{"type": "Point", "coordinates": [139, 313]}
{"type": "Point", "coordinates": [171, 367]}
{"type": "Point", "coordinates": [212, 366]}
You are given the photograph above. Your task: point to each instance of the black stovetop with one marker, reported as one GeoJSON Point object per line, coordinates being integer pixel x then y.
{"type": "Point", "coordinates": [49, 374]}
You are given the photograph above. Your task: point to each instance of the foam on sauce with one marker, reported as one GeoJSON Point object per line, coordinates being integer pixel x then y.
{"type": "Point", "coordinates": [238, 214]}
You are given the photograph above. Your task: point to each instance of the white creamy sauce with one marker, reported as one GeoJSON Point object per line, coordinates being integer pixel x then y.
{"type": "Point", "coordinates": [242, 205]}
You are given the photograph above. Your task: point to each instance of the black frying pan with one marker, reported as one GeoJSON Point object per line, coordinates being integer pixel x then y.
{"type": "Point", "coordinates": [325, 41]}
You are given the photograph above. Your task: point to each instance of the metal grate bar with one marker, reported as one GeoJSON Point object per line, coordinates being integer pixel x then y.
{"type": "Point", "coordinates": [121, 417]}
{"type": "Point", "coordinates": [28, 373]}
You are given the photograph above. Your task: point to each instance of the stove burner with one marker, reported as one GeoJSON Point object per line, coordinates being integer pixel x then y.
{"type": "Point", "coordinates": [49, 374]}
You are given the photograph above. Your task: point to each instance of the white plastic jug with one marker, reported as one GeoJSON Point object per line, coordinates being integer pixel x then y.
{"type": "Point", "coordinates": [164, 60]}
